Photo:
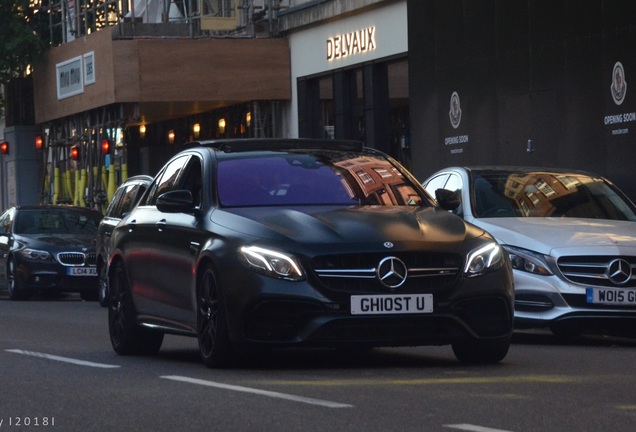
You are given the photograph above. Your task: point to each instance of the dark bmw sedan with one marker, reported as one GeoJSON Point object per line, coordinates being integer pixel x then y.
{"type": "Point", "coordinates": [48, 249]}
{"type": "Point", "coordinates": [279, 243]}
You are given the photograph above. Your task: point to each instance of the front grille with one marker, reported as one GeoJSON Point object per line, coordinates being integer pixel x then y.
{"type": "Point", "coordinates": [76, 258]}
{"type": "Point", "coordinates": [595, 271]}
{"type": "Point", "coordinates": [356, 273]}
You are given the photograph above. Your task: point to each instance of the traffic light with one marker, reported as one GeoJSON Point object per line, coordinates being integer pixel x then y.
{"type": "Point", "coordinates": [75, 153]}
{"type": "Point", "coordinates": [39, 142]}
{"type": "Point", "coordinates": [4, 148]}
{"type": "Point", "coordinates": [105, 147]}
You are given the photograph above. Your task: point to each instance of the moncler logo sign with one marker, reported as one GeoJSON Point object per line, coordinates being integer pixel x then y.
{"type": "Point", "coordinates": [619, 85]}
{"type": "Point", "coordinates": [455, 113]}
{"type": "Point", "coordinates": [350, 44]}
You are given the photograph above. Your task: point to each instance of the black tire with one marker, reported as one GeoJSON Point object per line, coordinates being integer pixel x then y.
{"type": "Point", "coordinates": [14, 287]}
{"type": "Point", "coordinates": [126, 336]}
{"type": "Point", "coordinates": [102, 288]}
{"type": "Point", "coordinates": [212, 331]}
{"type": "Point", "coordinates": [477, 351]}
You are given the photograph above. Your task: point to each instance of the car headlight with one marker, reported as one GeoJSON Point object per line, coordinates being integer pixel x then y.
{"type": "Point", "coordinates": [272, 263]}
{"type": "Point", "coordinates": [484, 260]}
{"type": "Point", "coordinates": [34, 254]}
{"type": "Point", "coordinates": [528, 261]}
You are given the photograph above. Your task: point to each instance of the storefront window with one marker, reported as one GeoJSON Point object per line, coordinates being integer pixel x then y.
{"type": "Point", "coordinates": [334, 106]}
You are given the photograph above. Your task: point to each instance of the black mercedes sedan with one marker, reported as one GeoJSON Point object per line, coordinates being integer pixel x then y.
{"type": "Point", "coordinates": [279, 243]}
{"type": "Point", "coordinates": [48, 249]}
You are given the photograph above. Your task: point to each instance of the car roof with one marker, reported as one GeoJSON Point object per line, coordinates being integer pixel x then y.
{"type": "Point", "coordinates": [254, 144]}
{"type": "Point", "coordinates": [54, 207]}
{"type": "Point", "coordinates": [520, 169]}
{"type": "Point", "coordinates": [141, 178]}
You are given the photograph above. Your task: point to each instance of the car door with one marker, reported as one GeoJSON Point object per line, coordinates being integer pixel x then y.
{"type": "Point", "coordinates": [160, 248]}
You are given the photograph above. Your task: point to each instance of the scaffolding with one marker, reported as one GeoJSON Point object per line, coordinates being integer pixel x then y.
{"type": "Point", "coordinates": [81, 167]}
{"type": "Point", "coordinates": [72, 19]}
{"type": "Point", "coordinates": [77, 170]}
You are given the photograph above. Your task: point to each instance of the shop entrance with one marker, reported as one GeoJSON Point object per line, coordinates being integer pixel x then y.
{"type": "Point", "coordinates": [368, 103]}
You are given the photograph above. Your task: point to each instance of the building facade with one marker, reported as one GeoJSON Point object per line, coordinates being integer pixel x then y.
{"type": "Point", "coordinates": [349, 72]}
{"type": "Point", "coordinates": [431, 82]}
{"type": "Point", "coordinates": [524, 82]}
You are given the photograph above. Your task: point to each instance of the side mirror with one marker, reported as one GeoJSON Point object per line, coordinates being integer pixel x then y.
{"type": "Point", "coordinates": [448, 200]}
{"type": "Point", "coordinates": [177, 201]}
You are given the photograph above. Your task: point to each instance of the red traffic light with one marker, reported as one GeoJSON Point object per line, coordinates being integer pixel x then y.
{"type": "Point", "coordinates": [4, 147]}
{"type": "Point", "coordinates": [75, 152]}
{"type": "Point", "coordinates": [105, 147]}
{"type": "Point", "coordinates": [39, 142]}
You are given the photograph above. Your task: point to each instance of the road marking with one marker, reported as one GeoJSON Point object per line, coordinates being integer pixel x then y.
{"type": "Point", "coordinates": [62, 359]}
{"type": "Point", "coordinates": [626, 407]}
{"type": "Point", "coordinates": [541, 379]}
{"type": "Point", "coordinates": [474, 428]}
{"type": "Point", "coordinates": [272, 394]}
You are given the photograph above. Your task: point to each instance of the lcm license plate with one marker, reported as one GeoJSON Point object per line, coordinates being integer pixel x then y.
{"type": "Point", "coordinates": [81, 271]}
{"type": "Point", "coordinates": [611, 296]}
{"type": "Point", "coordinates": [391, 304]}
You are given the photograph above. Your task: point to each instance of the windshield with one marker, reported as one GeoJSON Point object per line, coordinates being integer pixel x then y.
{"type": "Point", "coordinates": [321, 178]}
{"type": "Point", "coordinates": [546, 194]}
{"type": "Point", "coordinates": [56, 221]}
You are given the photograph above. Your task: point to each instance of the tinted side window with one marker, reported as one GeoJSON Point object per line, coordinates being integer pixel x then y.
{"type": "Point", "coordinates": [130, 198]}
{"type": "Point", "coordinates": [114, 206]}
{"type": "Point", "coordinates": [192, 179]}
{"type": "Point", "coordinates": [5, 222]}
{"type": "Point", "coordinates": [166, 180]}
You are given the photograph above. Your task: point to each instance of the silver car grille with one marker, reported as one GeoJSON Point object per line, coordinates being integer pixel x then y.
{"type": "Point", "coordinates": [72, 259]}
{"type": "Point", "coordinates": [601, 271]}
{"type": "Point", "coordinates": [358, 273]}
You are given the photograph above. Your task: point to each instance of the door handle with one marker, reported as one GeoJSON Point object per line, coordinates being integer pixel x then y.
{"type": "Point", "coordinates": [161, 225]}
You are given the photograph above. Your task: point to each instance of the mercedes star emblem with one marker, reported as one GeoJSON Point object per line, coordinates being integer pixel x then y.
{"type": "Point", "coordinates": [619, 271]}
{"type": "Point", "coordinates": [392, 272]}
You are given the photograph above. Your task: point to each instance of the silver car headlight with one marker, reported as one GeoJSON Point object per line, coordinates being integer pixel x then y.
{"type": "Point", "coordinates": [272, 263]}
{"type": "Point", "coordinates": [34, 254]}
{"type": "Point", "coordinates": [484, 260]}
{"type": "Point", "coordinates": [528, 261]}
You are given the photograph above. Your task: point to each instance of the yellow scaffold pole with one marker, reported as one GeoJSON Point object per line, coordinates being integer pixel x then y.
{"type": "Point", "coordinates": [82, 187]}
{"type": "Point", "coordinates": [56, 184]}
{"type": "Point", "coordinates": [111, 182]}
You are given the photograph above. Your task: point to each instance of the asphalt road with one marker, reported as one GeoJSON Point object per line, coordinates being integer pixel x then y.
{"type": "Point", "coordinates": [58, 372]}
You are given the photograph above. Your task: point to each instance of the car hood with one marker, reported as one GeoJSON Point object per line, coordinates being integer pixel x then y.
{"type": "Point", "coordinates": [58, 241]}
{"type": "Point", "coordinates": [368, 224]}
{"type": "Point", "coordinates": [545, 234]}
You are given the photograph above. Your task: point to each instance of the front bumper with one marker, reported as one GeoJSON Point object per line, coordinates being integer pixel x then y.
{"type": "Point", "coordinates": [35, 276]}
{"type": "Point", "coordinates": [285, 314]}
{"type": "Point", "coordinates": [550, 302]}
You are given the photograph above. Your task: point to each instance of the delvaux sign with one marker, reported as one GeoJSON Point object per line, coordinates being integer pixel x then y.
{"type": "Point", "coordinates": [350, 44]}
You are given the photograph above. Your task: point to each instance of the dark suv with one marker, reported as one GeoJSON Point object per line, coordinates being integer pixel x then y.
{"type": "Point", "coordinates": [249, 244]}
